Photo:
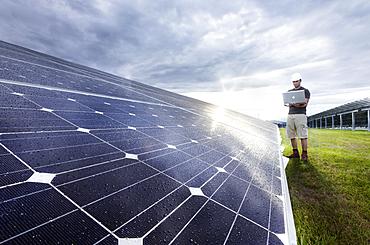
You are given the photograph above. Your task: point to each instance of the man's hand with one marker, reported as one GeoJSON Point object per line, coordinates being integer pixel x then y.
{"type": "Point", "coordinates": [298, 105]}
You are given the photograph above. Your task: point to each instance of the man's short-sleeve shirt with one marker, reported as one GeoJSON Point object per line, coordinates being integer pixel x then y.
{"type": "Point", "coordinates": [296, 110]}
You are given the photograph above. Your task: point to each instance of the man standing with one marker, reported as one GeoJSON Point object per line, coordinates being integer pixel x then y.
{"type": "Point", "coordinates": [297, 120]}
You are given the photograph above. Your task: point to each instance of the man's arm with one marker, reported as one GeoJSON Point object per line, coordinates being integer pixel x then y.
{"type": "Point", "coordinates": [300, 105]}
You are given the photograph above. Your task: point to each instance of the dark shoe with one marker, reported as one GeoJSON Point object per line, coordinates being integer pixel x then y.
{"type": "Point", "coordinates": [304, 156]}
{"type": "Point", "coordinates": [295, 154]}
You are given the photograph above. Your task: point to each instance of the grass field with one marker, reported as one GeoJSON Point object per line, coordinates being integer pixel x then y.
{"type": "Point", "coordinates": [330, 193]}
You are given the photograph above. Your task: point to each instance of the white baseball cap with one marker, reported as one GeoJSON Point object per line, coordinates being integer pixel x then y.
{"type": "Point", "coordinates": [296, 76]}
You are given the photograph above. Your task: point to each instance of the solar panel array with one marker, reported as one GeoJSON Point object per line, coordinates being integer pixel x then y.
{"type": "Point", "coordinates": [91, 158]}
{"type": "Point", "coordinates": [355, 105]}
{"type": "Point", "coordinates": [353, 115]}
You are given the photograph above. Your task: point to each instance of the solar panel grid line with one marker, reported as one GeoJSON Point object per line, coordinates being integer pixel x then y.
{"type": "Point", "coordinates": [35, 58]}
{"type": "Point", "coordinates": [183, 184]}
{"type": "Point", "coordinates": [13, 184]}
{"type": "Point", "coordinates": [270, 208]}
{"type": "Point", "coordinates": [164, 219]}
{"type": "Point", "coordinates": [208, 199]}
{"type": "Point", "coordinates": [18, 158]}
{"type": "Point", "coordinates": [180, 108]}
{"type": "Point", "coordinates": [84, 211]}
{"type": "Point", "coordinates": [36, 227]}
{"type": "Point", "coordinates": [237, 213]}
{"type": "Point", "coordinates": [25, 195]}
{"type": "Point", "coordinates": [113, 119]}
{"type": "Point", "coordinates": [15, 171]}
{"type": "Point", "coordinates": [62, 147]}
{"type": "Point", "coordinates": [236, 216]}
{"type": "Point", "coordinates": [6, 81]}
{"type": "Point", "coordinates": [38, 131]}
{"type": "Point", "coordinates": [92, 165]}
{"type": "Point", "coordinates": [48, 67]}
{"type": "Point", "coordinates": [70, 200]}
{"type": "Point", "coordinates": [60, 62]}
{"type": "Point", "coordinates": [98, 164]}
{"type": "Point", "coordinates": [102, 80]}
{"type": "Point", "coordinates": [53, 166]}
{"type": "Point", "coordinates": [100, 173]}
{"type": "Point", "coordinates": [158, 140]}
{"type": "Point", "coordinates": [120, 190]}
{"type": "Point", "coordinates": [189, 111]}
{"type": "Point", "coordinates": [239, 208]}
{"type": "Point", "coordinates": [213, 176]}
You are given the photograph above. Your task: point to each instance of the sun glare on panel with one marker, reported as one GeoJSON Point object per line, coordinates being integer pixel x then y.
{"type": "Point", "coordinates": [218, 116]}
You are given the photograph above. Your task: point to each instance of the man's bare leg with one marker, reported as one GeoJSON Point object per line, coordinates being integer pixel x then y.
{"type": "Point", "coordinates": [295, 153]}
{"type": "Point", "coordinates": [294, 143]}
{"type": "Point", "coordinates": [304, 143]}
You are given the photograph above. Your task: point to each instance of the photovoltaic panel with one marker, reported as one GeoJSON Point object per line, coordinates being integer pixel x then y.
{"type": "Point", "coordinates": [91, 158]}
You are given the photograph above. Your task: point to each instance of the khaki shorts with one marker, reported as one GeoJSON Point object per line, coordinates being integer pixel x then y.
{"type": "Point", "coordinates": [297, 125]}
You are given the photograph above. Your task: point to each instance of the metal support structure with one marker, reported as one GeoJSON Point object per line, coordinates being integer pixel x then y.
{"type": "Point", "coordinates": [326, 122]}
{"type": "Point", "coordinates": [320, 122]}
{"type": "Point", "coordinates": [340, 121]}
{"type": "Point", "coordinates": [332, 121]}
{"type": "Point", "coordinates": [368, 120]}
{"type": "Point", "coordinates": [353, 121]}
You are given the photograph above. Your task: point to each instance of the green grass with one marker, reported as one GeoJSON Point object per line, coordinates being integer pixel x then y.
{"type": "Point", "coordinates": [330, 193]}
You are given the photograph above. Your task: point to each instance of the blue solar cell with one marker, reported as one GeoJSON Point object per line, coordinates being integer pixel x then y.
{"type": "Point", "coordinates": [81, 229]}
{"type": "Point", "coordinates": [194, 149]}
{"type": "Point", "coordinates": [245, 232]}
{"type": "Point", "coordinates": [146, 148]}
{"type": "Point", "coordinates": [202, 177]}
{"type": "Point", "coordinates": [133, 121]}
{"type": "Point", "coordinates": [276, 187]}
{"type": "Point", "coordinates": [79, 163]}
{"type": "Point", "coordinates": [19, 217]}
{"type": "Point", "coordinates": [90, 189]}
{"type": "Point", "coordinates": [45, 157]}
{"type": "Point", "coordinates": [211, 157]}
{"type": "Point", "coordinates": [58, 104]}
{"type": "Point", "coordinates": [117, 209]}
{"type": "Point", "coordinates": [79, 173]}
{"type": "Point", "coordinates": [187, 170]}
{"type": "Point", "coordinates": [167, 161]}
{"type": "Point", "coordinates": [9, 178]}
{"type": "Point", "coordinates": [231, 193]}
{"type": "Point", "coordinates": [21, 120]}
{"type": "Point", "coordinates": [214, 183]}
{"type": "Point", "coordinates": [23, 189]}
{"type": "Point", "coordinates": [244, 172]}
{"type": "Point", "coordinates": [146, 221]}
{"type": "Point", "coordinates": [182, 215]}
{"type": "Point", "coordinates": [260, 201]}
{"type": "Point", "coordinates": [274, 240]}
{"type": "Point", "coordinates": [8, 163]}
{"type": "Point", "coordinates": [16, 101]}
{"type": "Point", "coordinates": [40, 141]}
{"type": "Point", "coordinates": [277, 218]}
{"type": "Point", "coordinates": [211, 225]}
{"type": "Point", "coordinates": [3, 151]}
{"type": "Point", "coordinates": [32, 91]}
{"type": "Point", "coordinates": [163, 150]}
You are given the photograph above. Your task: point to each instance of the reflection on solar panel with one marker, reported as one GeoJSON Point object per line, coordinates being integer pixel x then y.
{"type": "Point", "coordinates": [90, 158]}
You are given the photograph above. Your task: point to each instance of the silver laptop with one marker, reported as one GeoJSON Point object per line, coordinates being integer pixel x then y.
{"type": "Point", "coordinates": [292, 97]}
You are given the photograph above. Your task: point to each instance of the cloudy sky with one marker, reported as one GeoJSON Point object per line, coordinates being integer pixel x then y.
{"type": "Point", "coordinates": [238, 54]}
